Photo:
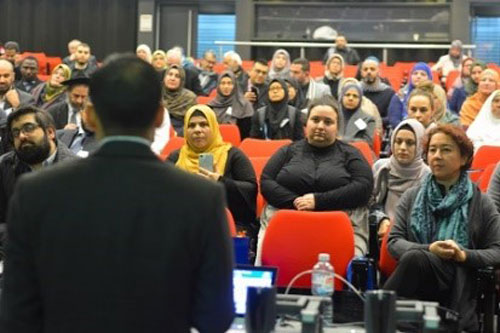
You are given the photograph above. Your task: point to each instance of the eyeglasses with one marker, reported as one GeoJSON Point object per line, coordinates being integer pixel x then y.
{"type": "Point", "coordinates": [27, 128]}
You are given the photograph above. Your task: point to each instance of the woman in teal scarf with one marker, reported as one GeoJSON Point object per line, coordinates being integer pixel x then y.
{"type": "Point", "coordinates": [444, 229]}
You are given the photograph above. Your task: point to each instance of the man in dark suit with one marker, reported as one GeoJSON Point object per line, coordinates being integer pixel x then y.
{"type": "Point", "coordinates": [123, 243]}
{"type": "Point", "coordinates": [66, 114]}
{"type": "Point", "coordinates": [29, 75]}
{"type": "Point", "coordinates": [81, 141]}
{"type": "Point", "coordinates": [35, 147]}
{"type": "Point", "coordinates": [10, 96]}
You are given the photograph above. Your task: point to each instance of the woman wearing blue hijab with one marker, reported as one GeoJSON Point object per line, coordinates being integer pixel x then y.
{"type": "Point", "coordinates": [397, 108]}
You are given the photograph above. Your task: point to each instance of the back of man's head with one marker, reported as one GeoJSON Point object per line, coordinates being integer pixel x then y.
{"type": "Point", "coordinates": [126, 95]}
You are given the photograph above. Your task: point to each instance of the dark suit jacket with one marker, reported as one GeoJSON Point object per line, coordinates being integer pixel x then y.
{"type": "Point", "coordinates": [60, 113]}
{"type": "Point", "coordinates": [67, 136]}
{"type": "Point", "coordinates": [123, 243]}
{"type": "Point", "coordinates": [192, 81]}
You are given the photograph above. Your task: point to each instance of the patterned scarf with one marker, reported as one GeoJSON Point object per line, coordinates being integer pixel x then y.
{"type": "Point", "coordinates": [435, 217]}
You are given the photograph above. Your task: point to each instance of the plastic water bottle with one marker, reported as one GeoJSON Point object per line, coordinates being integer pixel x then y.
{"type": "Point", "coordinates": [322, 283]}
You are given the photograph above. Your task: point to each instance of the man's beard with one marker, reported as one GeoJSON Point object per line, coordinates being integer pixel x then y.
{"type": "Point", "coordinates": [369, 79]}
{"type": "Point", "coordinates": [4, 89]}
{"type": "Point", "coordinates": [32, 153]}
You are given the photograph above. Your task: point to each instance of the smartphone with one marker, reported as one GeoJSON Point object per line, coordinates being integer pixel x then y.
{"type": "Point", "coordinates": [206, 161]}
{"type": "Point", "coordinates": [255, 91]}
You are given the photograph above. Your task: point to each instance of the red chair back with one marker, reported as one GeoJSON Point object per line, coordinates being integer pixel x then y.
{"type": "Point", "coordinates": [174, 143]}
{"type": "Point", "coordinates": [350, 70]}
{"type": "Point", "coordinates": [483, 157]}
{"type": "Point", "coordinates": [230, 133]}
{"type": "Point", "coordinates": [316, 69]}
{"type": "Point", "coordinates": [484, 180]}
{"type": "Point", "coordinates": [377, 144]}
{"type": "Point", "coordinates": [262, 148]}
{"type": "Point", "coordinates": [294, 239]}
{"type": "Point", "coordinates": [231, 223]}
{"type": "Point", "coordinates": [387, 264]}
{"type": "Point", "coordinates": [258, 164]}
{"type": "Point", "coordinates": [52, 62]}
{"type": "Point", "coordinates": [365, 150]}
{"type": "Point", "coordinates": [450, 79]}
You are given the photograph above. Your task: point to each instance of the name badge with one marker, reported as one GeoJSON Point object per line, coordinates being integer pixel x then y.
{"type": "Point", "coordinates": [360, 124]}
{"type": "Point", "coordinates": [284, 122]}
{"type": "Point", "coordinates": [229, 111]}
{"type": "Point", "coordinates": [83, 153]}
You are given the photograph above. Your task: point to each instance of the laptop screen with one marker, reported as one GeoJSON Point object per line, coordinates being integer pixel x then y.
{"type": "Point", "coordinates": [250, 276]}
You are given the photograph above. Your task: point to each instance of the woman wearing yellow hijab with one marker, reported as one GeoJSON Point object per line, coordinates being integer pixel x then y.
{"type": "Point", "coordinates": [230, 165]}
{"type": "Point", "coordinates": [52, 92]}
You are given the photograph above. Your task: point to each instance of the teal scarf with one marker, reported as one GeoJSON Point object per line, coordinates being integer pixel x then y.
{"type": "Point", "coordinates": [435, 217]}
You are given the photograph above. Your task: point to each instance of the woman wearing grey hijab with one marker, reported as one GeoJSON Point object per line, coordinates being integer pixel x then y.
{"type": "Point", "coordinates": [280, 65]}
{"type": "Point", "coordinates": [394, 175]}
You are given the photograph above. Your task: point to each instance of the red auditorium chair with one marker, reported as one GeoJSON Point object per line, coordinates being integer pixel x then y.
{"type": "Point", "coordinates": [387, 264]}
{"type": "Point", "coordinates": [484, 181]}
{"type": "Point", "coordinates": [350, 70]}
{"type": "Point", "coordinates": [483, 157]}
{"type": "Point", "coordinates": [258, 164]}
{"type": "Point", "coordinates": [365, 150]}
{"type": "Point", "coordinates": [262, 148]}
{"type": "Point", "coordinates": [294, 239]}
{"type": "Point", "coordinates": [231, 223]}
{"type": "Point", "coordinates": [52, 62]}
{"type": "Point", "coordinates": [450, 79]}
{"type": "Point", "coordinates": [230, 133]}
{"type": "Point", "coordinates": [316, 69]}
{"type": "Point", "coordinates": [174, 143]}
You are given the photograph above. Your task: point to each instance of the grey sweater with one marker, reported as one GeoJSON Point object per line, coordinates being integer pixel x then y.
{"type": "Point", "coordinates": [484, 230]}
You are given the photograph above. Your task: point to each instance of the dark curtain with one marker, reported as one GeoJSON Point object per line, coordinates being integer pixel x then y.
{"type": "Point", "coordinates": [48, 25]}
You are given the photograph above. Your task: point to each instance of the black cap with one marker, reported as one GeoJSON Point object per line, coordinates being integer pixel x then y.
{"type": "Point", "coordinates": [81, 79]}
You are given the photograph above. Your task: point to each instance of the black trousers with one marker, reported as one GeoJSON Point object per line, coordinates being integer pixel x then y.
{"type": "Point", "coordinates": [422, 275]}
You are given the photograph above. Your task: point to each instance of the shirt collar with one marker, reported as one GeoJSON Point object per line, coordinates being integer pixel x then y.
{"type": "Point", "coordinates": [50, 160]}
{"type": "Point", "coordinates": [127, 138]}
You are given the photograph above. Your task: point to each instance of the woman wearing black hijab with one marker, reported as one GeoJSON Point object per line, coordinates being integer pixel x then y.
{"type": "Point", "coordinates": [277, 120]}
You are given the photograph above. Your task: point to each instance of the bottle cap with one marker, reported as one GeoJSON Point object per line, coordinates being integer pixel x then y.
{"type": "Point", "coordinates": [324, 257]}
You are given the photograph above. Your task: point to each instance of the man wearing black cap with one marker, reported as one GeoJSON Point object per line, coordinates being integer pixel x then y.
{"type": "Point", "coordinates": [67, 114]}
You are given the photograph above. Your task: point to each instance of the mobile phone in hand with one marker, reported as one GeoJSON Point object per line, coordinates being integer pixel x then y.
{"type": "Point", "coordinates": [206, 161]}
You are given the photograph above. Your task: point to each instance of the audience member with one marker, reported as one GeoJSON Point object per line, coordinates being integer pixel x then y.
{"type": "Point", "coordinates": [176, 99]}
{"type": "Point", "coordinates": [444, 229]}
{"type": "Point", "coordinates": [207, 75]}
{"type": "Point", "coordinates": [334, 73]}
{"type": "Point", "coordinates": [256, 88]}
{"type": "Point", "coordinates": [451, 61]}
{"type": "Point", "coordinates": [464, 74]}
{"type": "Point", "coordinates": [319, 173]}
{"type": "Point", "coordinates": [356, 125]}
{"type": "Point", "coordinates": [12, 54]}
{"type": "Point", "coordinates": [191, 81]}
{"type": "Point", "coordinates": [232, 61]}
{"type": "Point", "coordinates": [397, 107]}
{"type": "Point", "coordinates": [280, 65]}
{"type": "Point", "coordinates": [80, 140]}
{"type": "Point", "coordinates": [230, 106]}
{"type": "Point", "coordinates": [143, 52]}
{"type": "Point", "coordinates": [374, 89]}
{"type": "Point", "coordinates": [11, 97]}
{"type": "Point", "coordinates": [366, 105]}
{"type": "Point", "coordinates": [394, 175]}
{"type": "Point", "coordinates": [441, 113]}
{"type": "Point", "coordinates": [130, 242]}
{"type": "Point", "coordinates": [71, 58]}
{"type": "Point", "coordinates": [231, 167]}
{"type": "Point", "coordinates": [485, 129]}
{"type": "Point", "coordinates": [66, 114]}
{"type": "Point", "coordinates": [421, 107]}
{"type": "Point", "coordinates": [277, 119]}
{"type": "Point", "coordinates": [300, 70]}
{"type": "Point", "coordinates": [33, 135]}
{"type": "Point", "coordinates": [29, 75]}
{"type": "Point", "coordinates": [296, 97]}
{"type": "Point", "coordinates": [488, 82]}
{"type": "Point", "coordinates": [52, 92]}
{"type": "Point", "coordinates": [159, 61]}
{"type": "Point", "coordinates": [349, 55]}
{"type": "Point", "coordinates": [469, 88]}
{"type": "Point", "coordinates": [82, 65]}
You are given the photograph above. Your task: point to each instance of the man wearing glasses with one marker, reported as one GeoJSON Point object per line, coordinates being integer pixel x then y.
{"type": "Point", "coordinates": [32, 131]}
